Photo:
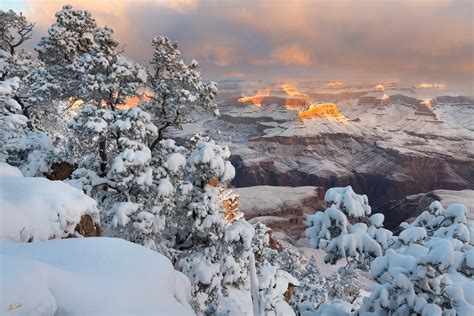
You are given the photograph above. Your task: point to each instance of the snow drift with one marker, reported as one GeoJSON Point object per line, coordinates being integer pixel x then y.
{"type": "Point", "coordinates": [90, 276]}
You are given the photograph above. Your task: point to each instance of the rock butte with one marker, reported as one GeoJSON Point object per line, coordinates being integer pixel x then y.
{"type": "Point", "coordinates": [325, 110]}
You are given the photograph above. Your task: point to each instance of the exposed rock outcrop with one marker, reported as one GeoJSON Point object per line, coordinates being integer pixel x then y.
{"type": "Point", "coordinates": [87, 227]}
{"type": "Point", "coordinates": [408, 208]}
{"type": "Point", "coordinates": [61, 171]}
{"type": "Point", "coordinates": [381, 172]}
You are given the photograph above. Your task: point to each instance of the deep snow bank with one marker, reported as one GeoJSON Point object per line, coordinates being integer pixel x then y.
{"type": "Point", "coordinates": [90, 276]}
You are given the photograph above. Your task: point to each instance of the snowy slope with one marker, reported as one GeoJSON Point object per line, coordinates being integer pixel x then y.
{"type": "Point", "coordinates": [89, 276]}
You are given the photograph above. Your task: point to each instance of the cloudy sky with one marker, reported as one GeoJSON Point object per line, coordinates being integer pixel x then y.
{"type": "Point", "coordinates": [412, 41]}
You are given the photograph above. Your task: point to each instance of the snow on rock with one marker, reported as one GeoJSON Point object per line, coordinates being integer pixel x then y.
{"type": "Point", "coordinates": [283, 209]}
{"type": "Point", "coordinates": [37, 209]}
{"type": "Point", "coordinates": [346, 200]}
{"type": "Point", "coordinates": [90, 276]}
{"type": "Point", "coordinates": [265, 200]}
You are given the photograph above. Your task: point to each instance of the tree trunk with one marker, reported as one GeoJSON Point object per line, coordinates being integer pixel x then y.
{"type": "Point", "coordinates": [103, 157]}
{"type": "Point", "coordinates": [25, 111]}
{"type": "Point", "coordinates": [161, 136]}
{"type": "Point", "coordinates": [254, 287]}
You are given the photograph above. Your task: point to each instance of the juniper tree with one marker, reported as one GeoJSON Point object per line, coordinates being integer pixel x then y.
{"type": "Point", "coordinates": [14, 30]}
{"type": "Point", "coordinates": [177, 88]}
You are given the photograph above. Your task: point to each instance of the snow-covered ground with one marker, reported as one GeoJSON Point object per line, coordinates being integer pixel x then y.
{"type": "Point", "coordinates": [42, 274]}
{"type": "Point", "coordinates": [37, 209]}
{"type": "Point", "coordinates": [89, 276]}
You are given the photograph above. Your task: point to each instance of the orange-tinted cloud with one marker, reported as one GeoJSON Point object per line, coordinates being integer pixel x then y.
{"type": "Point", "coordinates": [180, 5]}
{"type": "Point", "coordinates": [429, 85]}
{"type": "Point", "coordinates": [291, 55]}
{"type": "Point", "coordinates": [235, 74]}
{"type": "Point", "coordinates": [425, 40]}
{"type": "Point", "coordinates": [218, 55]}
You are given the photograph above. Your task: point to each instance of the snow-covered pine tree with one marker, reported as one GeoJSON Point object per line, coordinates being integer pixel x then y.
{"type": "Point", "coordinates": [13, 122]}
{"type": "Point", "coordinates": [164, 197]}
{"type": "Point", "coordinates": [68, 38]}
{"type": "Point", "coordinates": [29, 126]}
{"type": "Point", "coordinates": [425, 270]}
{"type": "Point", "coordinates": [313, 288]}
{"type": "Point", "coordinates": [89, 58]}
{"type": "Point", "coordinates": [333, 232]}
{"type": "Point", "coordinates": [177, 88]}
{"type": "Point", "coordinates": [14, 30]}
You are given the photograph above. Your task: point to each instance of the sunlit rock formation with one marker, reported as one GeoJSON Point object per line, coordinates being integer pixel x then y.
{"type": "Point", "coordinates": [325, 110]}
